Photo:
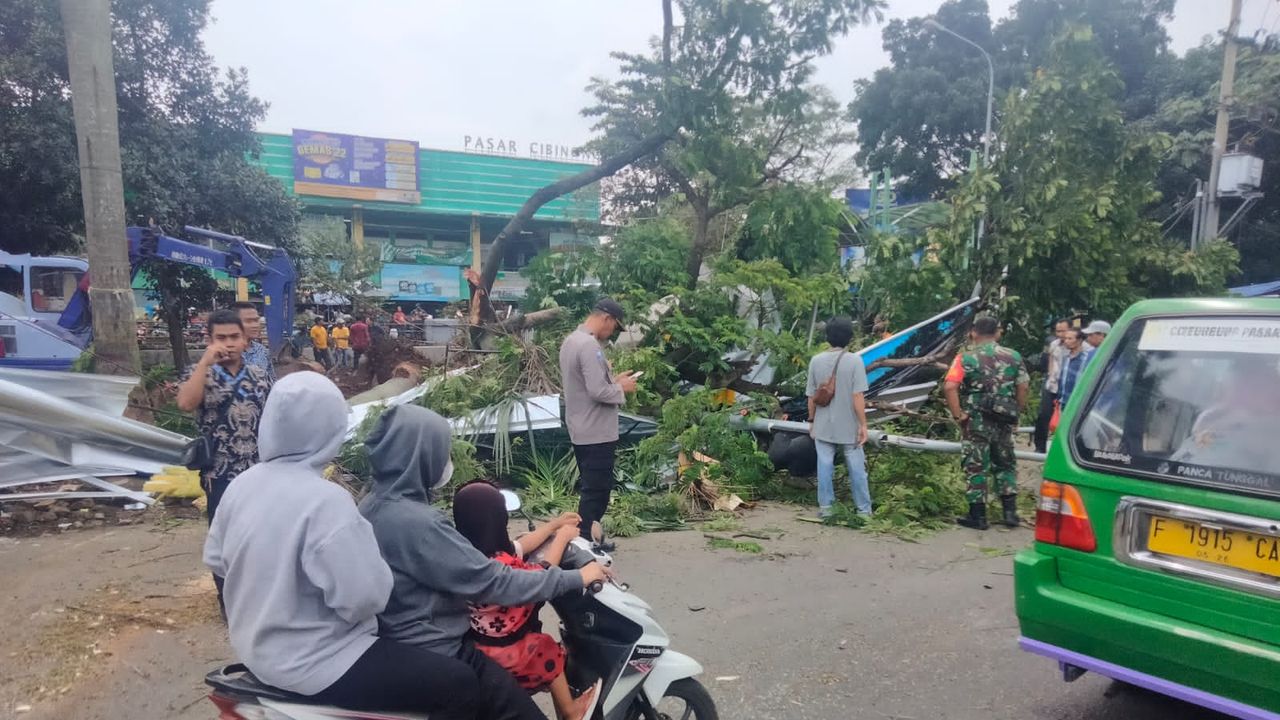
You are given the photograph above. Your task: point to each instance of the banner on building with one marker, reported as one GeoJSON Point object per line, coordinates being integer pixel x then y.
{"type": "Point", "coordinates": [355, 167]}
{"type": "Point", "coordinates": [422, 283]}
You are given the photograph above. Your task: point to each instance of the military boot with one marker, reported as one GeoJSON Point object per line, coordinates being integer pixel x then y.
{"type": "Point", "coordinates": [977, 517]}
{"type": "Point", "coordinates": [1010, 503]}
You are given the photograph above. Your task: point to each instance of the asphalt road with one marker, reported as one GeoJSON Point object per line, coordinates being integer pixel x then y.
{"type": "Point", "coordinates": [824, 624]}
{"type": "Point", "coordinates": [832, 624]}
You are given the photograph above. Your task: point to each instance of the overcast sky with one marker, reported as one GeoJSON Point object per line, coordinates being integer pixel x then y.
{"type": "Point", "coordinates": [436, 71]}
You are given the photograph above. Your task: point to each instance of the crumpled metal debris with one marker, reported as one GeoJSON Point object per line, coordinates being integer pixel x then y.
{"type": "Point", "coordinates": [57, 426]}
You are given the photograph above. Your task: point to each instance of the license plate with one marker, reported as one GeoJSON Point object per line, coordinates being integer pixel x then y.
{"type": "Point", "coordinates": [1251, 551]}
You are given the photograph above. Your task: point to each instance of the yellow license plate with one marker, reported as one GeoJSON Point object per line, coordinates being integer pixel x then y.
{"type": "Point", "coordinates": [1254, 552]}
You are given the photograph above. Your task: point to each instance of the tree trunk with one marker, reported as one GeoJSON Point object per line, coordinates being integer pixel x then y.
{"type": "Point", "coordinates": [701, 229]}
{"type": "Point", "coordinates": [87, 27]}
{"type": "Point", "coordinates": [523, 321]}
{"type": "Point", "coordinates": [610, 166]}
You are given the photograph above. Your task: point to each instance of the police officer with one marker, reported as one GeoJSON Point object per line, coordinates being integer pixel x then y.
{"type": "Point", "coordinates": [986, 388]}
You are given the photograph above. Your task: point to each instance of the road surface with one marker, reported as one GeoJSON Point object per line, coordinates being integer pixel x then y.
{"type": "Point", "coordinates": [824, 624]}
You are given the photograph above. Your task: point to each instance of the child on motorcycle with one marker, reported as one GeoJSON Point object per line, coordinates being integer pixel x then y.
{"type": "Point", "coordinates": [512, 636]}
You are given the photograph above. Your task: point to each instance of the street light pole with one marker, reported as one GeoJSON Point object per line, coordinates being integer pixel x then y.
{"type": "Point", "coordinates": [986, 132]}
{"type": "Point", "coordinates": [991, 82]}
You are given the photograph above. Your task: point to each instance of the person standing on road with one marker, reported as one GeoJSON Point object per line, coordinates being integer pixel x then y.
{"type": "Point", "coordinates": [255, 353]}
{"type": "Point", "coordinates": [1096, 332]}
{"type": "Point", "coordinates": [341, 337]}
{"type": "Point", "coordinates": [1073, 363]}
{"type": "Point", "coordinates": [839, 423]}
{"type": "Point", "coordinates": [360, 339]}
{"type": "Point", "coordinates": [320, 343]}
{"type": "Point", "coordinates": [986, 389]}
{"type": "Point", "coordinates": [592, 396]}
{"type": "Point", "coordinates": [1049, 393]}
{"type": "Point", "coordinates": [227, 395]}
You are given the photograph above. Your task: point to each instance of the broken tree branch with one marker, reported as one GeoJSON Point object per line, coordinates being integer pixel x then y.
{"type": "Point", "coordinates": [936, 359]}
{"type": "Point", "coordinates": [564, 186]}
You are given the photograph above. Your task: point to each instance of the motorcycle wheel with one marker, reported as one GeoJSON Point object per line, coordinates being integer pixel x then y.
{"type": "Point", "coordinates": [686, 699]}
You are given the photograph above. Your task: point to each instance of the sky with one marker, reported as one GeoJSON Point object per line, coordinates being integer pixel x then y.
{"type": "Point", "coordinates": [437, 71]}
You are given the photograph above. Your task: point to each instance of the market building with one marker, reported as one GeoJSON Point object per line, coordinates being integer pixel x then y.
{"type": "Point", "coordinates": [432, 212]}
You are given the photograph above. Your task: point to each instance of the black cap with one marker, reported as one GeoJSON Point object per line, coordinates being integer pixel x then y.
{"type": "Point", "coordinates": [609, 306]}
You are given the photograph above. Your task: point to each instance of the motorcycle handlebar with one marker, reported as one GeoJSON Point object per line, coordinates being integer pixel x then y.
{"type": "Point", "coordinates": [595, 587]}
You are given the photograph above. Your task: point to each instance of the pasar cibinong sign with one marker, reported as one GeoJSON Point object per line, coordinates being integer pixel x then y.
{"type": "Point", "coordinates": [538, 150]}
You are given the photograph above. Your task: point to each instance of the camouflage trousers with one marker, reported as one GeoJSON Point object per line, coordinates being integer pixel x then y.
{"type": "Point", "coordinates": [988, 454]}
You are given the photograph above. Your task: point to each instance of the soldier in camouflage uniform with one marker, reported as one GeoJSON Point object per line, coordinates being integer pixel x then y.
{"type": "Point", "coordinates": [986, 388]}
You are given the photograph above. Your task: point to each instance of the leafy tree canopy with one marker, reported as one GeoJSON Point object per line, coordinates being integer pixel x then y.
{"type": "Point", "coordinates": [1065, 199]}
{"type": "Point", "coordinates": [922, 115]}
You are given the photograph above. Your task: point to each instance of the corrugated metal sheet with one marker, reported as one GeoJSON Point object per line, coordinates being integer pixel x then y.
{"type": "Point", "coordinates": [457, 183]}
{"type": "Point", "coordinates": [46, 426]}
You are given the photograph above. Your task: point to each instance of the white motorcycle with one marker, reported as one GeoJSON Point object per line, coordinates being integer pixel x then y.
{"type": "Point", "coordinates": [609, 634]}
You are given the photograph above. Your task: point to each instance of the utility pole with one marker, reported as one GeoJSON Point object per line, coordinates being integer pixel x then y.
{"type": "Point", "coordinates": [87, 27]}
{"type": "Point", "coordinates": [1209, 227]}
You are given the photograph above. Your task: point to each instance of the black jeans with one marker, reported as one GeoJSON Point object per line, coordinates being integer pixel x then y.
{"type": "Point", "coordinates": [595, 467]}
{"type": "Point", "coordinates": [213, 490]}
{"type": "Point", "coordinates": [501, 697]}
{"type": "Point", "coordinates": [391, 677]}
{"type": "Point", "coordinates": [1041, 435]}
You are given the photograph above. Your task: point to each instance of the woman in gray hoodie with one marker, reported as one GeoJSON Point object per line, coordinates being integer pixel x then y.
{"type": "Point", "coordinates": [437, 570]}
{"type": "Point", "coordinates": [304, 579]}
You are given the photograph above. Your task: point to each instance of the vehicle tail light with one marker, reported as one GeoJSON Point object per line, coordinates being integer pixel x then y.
{"type": "Point", "coordinates": [232, 709]}
{"type": "Point", "coordinates": [1061, 518]}
{"type": "Point", "coordinates": [226, 708]}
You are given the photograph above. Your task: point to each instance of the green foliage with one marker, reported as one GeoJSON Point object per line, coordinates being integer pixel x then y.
{"type": "Point", "coordinates": [914, 492]}
{"type": "Point", "coordinates": [562, 279]}
{"type": "Point", "coordinates": [658, 383]}
{"type": "Point", "coordinates": [353, 456]}
{"type": "Point", "coordinates": [742, 546]}
{"type": "Point", "coordinates": [548, 484]}
{"type": "Point", "coordinates": [186, 132]}
{"type": "Point", "coordinates": [1065, 198]}
{"type": "Point", "coordinates": [457, 395]}
{"type": "Point", "coordinates": [845, 515]}
{"type": "Point", "coordinates": [466, 467]}
{"type": "Point", "coordinates": [722, 522]}
{"type": "Point", "coordinates": [84, 362]}
{"type": "Point", "coordinates": [1187, 111]}
{"type": "Point", "coordinates": [697, 423]}
{"type": "Point", "coordinates": [922, 116]}
{"type": "Point", "coordinates": [633, 513]}
{"type": "Point", "coordinates": [329, 262]}
{"type": "Point", "coordinates": [645, 260]}
{"type": "Point", "coordinates": [796, 225]}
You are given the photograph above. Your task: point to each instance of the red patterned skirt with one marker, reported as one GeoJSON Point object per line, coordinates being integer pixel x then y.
{"type": "Point", "coordinates": [534, 660]}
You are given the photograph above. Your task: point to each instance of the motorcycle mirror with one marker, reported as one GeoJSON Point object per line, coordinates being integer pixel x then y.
{"type": "Point", "coordinates": [512, 499]}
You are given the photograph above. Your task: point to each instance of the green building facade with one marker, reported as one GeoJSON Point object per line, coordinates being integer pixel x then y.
{"type": "Point", "coordinates": [430, 233]}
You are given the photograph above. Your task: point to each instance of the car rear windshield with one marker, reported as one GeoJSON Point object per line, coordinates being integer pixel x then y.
{"type": "Point", "coordinates": [1191, 400]}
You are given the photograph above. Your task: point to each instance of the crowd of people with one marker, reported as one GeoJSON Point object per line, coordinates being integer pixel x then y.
{"type": "Point", "coordinates": [1065, 355]}
{"type": "Point", "coordinates": [388, 606]}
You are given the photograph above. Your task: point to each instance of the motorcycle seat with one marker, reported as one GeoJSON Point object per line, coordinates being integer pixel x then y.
{"type": "Point", "coordinates": [235, 679]}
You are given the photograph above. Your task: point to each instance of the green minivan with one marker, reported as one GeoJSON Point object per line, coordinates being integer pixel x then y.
{"type": "Point", "coordinates": [1157, 545]}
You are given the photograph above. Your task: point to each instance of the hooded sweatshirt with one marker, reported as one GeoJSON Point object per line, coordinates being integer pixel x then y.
{"type": "Point", "coordinates": [436, 570]}
{"type": "Point", "coordinates": [304, 579]}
